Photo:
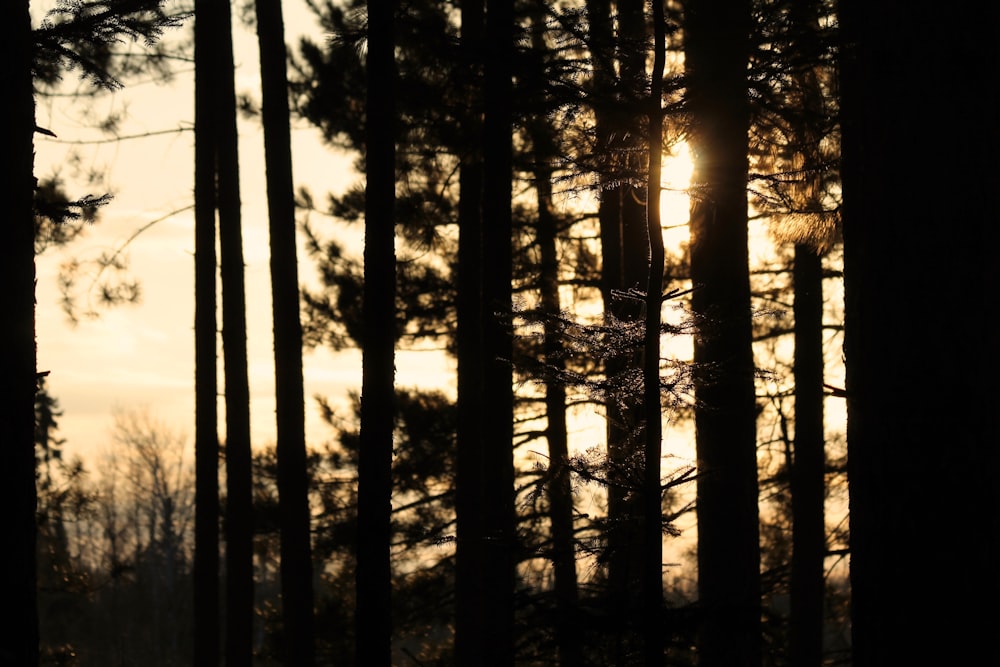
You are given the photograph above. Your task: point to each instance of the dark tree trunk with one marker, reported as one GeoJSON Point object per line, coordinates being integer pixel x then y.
{"type": "Point", "coordinates": [374, 571]}
{"type": "Point", "coordinates": [559, 484]}
{"type": "Point", "coordinates": [206, 550]}
{"type": "Point", "coordinates": [293, 483]}
{"type": "Point", "coordinates": [716, 56]}
{"type": "Point", "coordinates": [652, 512]}
{"type": "Point", "coordinates": [808, 469]}
{"type": "Point", "coordinates": [808, 465]}
{"type": "Point", "coordinates": [559, 487]}
{"type": "Point", "coordinates": [239, 492]}
{"type": "Point", "coordinates": [619, 61]}
{"type": "Point", "coordinates": [19, 642]}
{"type": "Point", "coordinates": [470, 566]}
{"type": "Point", "coordinates": [560, 490]}
{"type": "Point", "coordinates": [921, 281]}
{"type": "Point", "coordinates": [498, 457]}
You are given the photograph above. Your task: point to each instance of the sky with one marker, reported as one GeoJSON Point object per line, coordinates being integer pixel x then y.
{"type": "Point", "coordinates": [141, 357]}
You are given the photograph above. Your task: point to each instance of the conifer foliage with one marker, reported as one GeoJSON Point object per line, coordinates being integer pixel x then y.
{"type": "Point", "coordinates": [510, 161]}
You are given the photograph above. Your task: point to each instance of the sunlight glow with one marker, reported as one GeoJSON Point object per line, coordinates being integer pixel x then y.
{"type": "Point", "coordinates": [676, 179]}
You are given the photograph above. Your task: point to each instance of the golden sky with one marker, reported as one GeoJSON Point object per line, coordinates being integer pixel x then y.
{"type": "Point", "coordinates": [142, 357]}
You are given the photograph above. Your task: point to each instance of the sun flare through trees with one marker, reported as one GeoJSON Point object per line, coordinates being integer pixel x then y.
{"type": "Point", "coordinates": [598, 333]}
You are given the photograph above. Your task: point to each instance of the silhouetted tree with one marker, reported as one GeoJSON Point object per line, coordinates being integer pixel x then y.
{"type": "Point", "coordinates": [139, 551]}
{"type": "Point", "coordinates": [19, 643]}
{"type": "Point", "coordinates": [296, 561]}
{"type": "Point", "coordinates": [898, 314]}
{"type": "Point", "coordinates": [206, 444]}
{"type": "Point", "coordinates": [652, 500]}
{"type": "Point", "coordinates": [498, 419]}
{"type": "Point", "coordinates": [470, 567]}
{"type": "Point", "coordinates": [808, 474]}
{"type": "Point", "coordinates": [716, 47]}
{"type": "Point", "coordinates": [618, 50]}
{"type": "Point", "coordinates": [59, 41]}
{"type": "Point", "coordinates": [238, 524]}
{"type": "Point", "coordinates": [543, 137]}
{"type": "Point", "coordinates": [794, 187]}
{"type": "Point", "coordinates": [374, 569]}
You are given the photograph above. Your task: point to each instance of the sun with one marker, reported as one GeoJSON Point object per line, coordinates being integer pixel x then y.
{"type": "Point", "coordinates": [675, 180]}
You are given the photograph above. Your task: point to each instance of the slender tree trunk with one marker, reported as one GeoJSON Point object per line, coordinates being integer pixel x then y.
{"type": "Point", "coordinates": [19, 642]}
{"type": "Point", "coordinates": [716, 56]}
{"type": "Point", "coordinates": [652, 551]}
{"type": "Point", "coordinates": [921, 280]}
{"type": "Point", "coordinates": [619, 62]}
{"type": "Point", "coordinates": [374, 569]}
{"type": "Point", "coordinates": [293, 483]}
{"type": "Point", "coordinates": [206, 550]}
{"type": "Point", "coordinates": [239, 492]}
{"type": "Point", "coordinates": [808, 464]}
{"type": "Point", "coordinates": [559, 487]}
{"type": "Point", "coordinates": [470, 567]}
{"type": "Point", "coordinates": [627, 219]}
{"type": "Point", "coordinates": [498, 458]}
{"type": "Point", "coordinates": [808, 472]}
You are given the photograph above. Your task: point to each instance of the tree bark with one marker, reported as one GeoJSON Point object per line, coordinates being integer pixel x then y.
{"type": "Point", "coordinates": [19, 644]}
{"type": "Point", "coordinates": [808, 467]}
{"type": "Point", "coordinates": [293, 483]}
{"type": "Point", "coordinates": [652, 512]}
{"type": "Point", "coordinates": [470, 566]}
{"type": "Point", "coordinates": [716, 56]}
{"type": "Point", "coordinates": [619, 62]}
{"type": "Point", "coordinates": [808, 472]}
{"type": "Point", "coordinates": [239, 493]}
{"type": "Point", "coordinates": [498, 457]}
{"type": "Point", "coordinates": [374, 570]}
{"type": "Point", "coordinates": [206, 550]}
{"type": "Point", "coordinates": [559, 484]}
{"type": "Point", "coordinates": [923, 424]}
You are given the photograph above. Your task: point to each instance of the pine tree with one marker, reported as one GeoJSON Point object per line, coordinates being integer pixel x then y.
{"type": "Point", "coordinates": [897, 316]}
{"type": "Point", "coordinates": [293, 483]}
{"type": "Point", "coordinates": [20, 638]}
{"type": "Point", "coordinates": [498, 423]}
{"type": "Point", "coordinates": [652, 502]}
{"type": "Point", "coordinates": [716, 46]}
{"type": "Point", "coordinates": [206, 549]}
{"type": "Point", "coordinates": [543, 137]}
{"type": "Point", "coordinates": [374, 569]}
{"type": "Point", "coordinates": [469, 566]}
{"type": "Point", "coordinates": [60, 42]}
{"type": "Point", "coordinates": [238, 524]}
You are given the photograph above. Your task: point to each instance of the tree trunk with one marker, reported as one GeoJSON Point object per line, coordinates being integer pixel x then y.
{"type": "Point", "coordinates": [239, 492]}
{"type": "Point", "coordinates": [652, 511]}
{"type": "Point", "coordinates": [374, 570]}
{"type": "Point", "coordinates": [920, 276]}
{"type": "Point", "coordinates": [293, 483]}
{"type": "Point", "coordinates": [808, 469]}
{"type": "Point", "coordinates": [619, 77]}
{"type": "Point", "coordinates": [498, 457]}
{"type": "Point", "coordinates": [559, 487]}
{"type": "Point", "coordinates": [716, 56]}
{"type": "Point", "coordinates": [470, 566]}
{"type": "Point", "coordinates": [19, 643]}
{"type": "Point", "coordinates": [808, 472]}
{"type": "Point", "coordinates": [206, 549]}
